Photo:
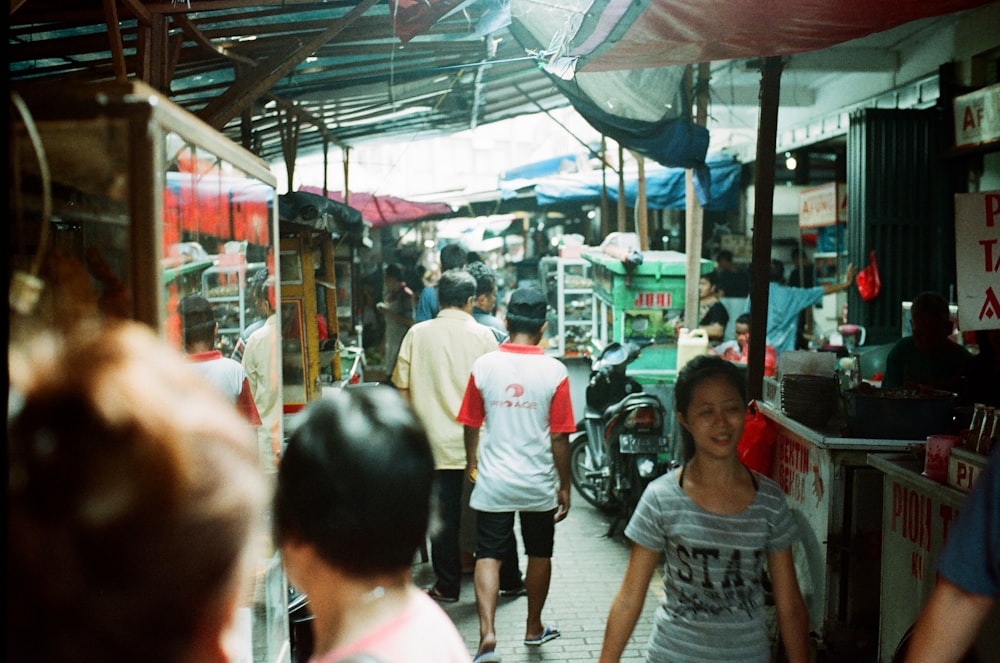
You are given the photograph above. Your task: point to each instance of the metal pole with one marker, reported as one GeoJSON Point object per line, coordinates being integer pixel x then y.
{"type": "Point", "coordinates": [763, 216]}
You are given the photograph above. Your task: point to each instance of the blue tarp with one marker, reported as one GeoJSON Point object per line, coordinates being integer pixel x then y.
{"type": "Point", "coordinates": [665, 187]}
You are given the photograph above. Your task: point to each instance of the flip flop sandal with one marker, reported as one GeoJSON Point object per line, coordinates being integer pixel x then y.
{"type": "Point", "coordinates": [487, 657]}
{"type": "Point", "coordinates": [550, 633]}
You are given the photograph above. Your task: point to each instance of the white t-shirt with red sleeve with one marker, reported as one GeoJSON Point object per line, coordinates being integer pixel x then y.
{"type": "Point", "coordinates": [524, 395]}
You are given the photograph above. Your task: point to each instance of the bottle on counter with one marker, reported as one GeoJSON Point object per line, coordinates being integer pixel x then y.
{"type": "Point", "coordinates": [987, 431]}
{"type": "Point", "coordinates": [972, 435]}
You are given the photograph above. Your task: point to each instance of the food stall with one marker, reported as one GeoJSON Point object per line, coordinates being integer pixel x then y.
{"type": "Point", "coordinates": [140, 205]}
{"type": "Point", "coordinates": [642, 303]}
{"type": "Point", "coordinates": [836, 498]}
{"type": "Point", "coordinates": [916, 515]}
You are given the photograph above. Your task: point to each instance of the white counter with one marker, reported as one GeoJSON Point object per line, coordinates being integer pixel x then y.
{"type": "Point", "coordinates": [836, 499]}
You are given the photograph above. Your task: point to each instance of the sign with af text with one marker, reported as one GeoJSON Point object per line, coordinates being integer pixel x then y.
{"type": "Point", "coordinates": [977, 257]}
{"type": "Point", "coordinates": [977, 117]}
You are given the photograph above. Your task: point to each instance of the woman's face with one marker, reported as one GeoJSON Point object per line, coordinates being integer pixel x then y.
{"type": "Point", "coordinates": [715, 417]}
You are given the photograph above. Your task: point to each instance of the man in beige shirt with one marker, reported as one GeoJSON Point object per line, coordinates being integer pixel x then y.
{"type": "Point", "coordinates": [432, 370]}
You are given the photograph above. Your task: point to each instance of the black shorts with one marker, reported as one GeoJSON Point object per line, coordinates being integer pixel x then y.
{"type": "Point", "coordinates": [495, 533]}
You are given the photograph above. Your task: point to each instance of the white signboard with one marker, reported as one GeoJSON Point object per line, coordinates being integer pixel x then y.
{"type": "Point", "coordinates": [977, 257]}
{"type": "Point", "coordinates": [977, 117]}
{"type": "Point", "coordinates": [823, 205]}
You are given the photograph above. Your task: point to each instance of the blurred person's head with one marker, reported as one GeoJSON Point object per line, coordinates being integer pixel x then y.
{"type": "Point", "coordinates": [394, 276]}
{"type": "Point", "coordinates": [133, 494]}
{"type": "Point", "coordinates": [724, 260]}
{"type": "Point", "coordinates": [262, 291]}
{"type": "Point", "coordinates": [453, 256]}
{"type": "Point", "coordinates": [456, 289]}
{"type": "Point", "coordinates": [354, 486]}
{"type": "Point", "coordinates": [526, 312]}
{"type": "Point", "coordinates": [708, 285]}
{"type": "Point", "coordinates": [777, 272]}
{"type": "Point", "coordinates": [486, 285]}
{"type": "Point", "coordinates": [742, 325]}
{"type": "Point", "coordinates": [930, 321]}
{"type": "Point", "coordinates": [198, 324]}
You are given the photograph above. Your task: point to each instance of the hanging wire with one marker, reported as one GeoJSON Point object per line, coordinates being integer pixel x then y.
{"type": "Point", "coordinates": [26, 287]}
{"type": "Point", "coordinates": [43, 167]}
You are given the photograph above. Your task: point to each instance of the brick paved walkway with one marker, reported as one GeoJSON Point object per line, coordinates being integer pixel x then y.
{"type": "Point", "coordinates": [587, 569]}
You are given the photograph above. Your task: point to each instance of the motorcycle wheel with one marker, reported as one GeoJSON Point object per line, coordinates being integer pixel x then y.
{"type": "Point", "coordinates": [593, 489]}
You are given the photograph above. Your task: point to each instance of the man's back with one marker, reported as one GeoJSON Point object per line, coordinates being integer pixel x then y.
{"type": "Point", "coordinates": [434, 364]}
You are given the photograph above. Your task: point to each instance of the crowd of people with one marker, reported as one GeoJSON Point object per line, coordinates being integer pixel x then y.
{"type": "Point", "coordinates": [140, 478]}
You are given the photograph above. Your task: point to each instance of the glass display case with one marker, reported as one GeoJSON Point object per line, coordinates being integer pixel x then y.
{"type": "Point", "coordinates": [140, 205]}
{"type": "Point", "coordinates": [569, 291]}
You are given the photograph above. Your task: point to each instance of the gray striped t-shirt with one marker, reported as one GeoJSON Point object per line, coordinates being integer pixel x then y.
{"type": "Point", "coordinates": [713, 606]}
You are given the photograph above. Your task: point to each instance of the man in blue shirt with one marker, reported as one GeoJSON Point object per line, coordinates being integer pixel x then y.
{"type": "Point", "coordinates": [785, 302]}
{"type": "Point", "coordinates": [968, 583]}
{"type": "Point", "coordinates": [452, 257]}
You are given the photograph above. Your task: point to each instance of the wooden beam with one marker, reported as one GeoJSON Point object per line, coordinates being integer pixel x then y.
{"type": "Point", "coordinates": [139, 10]}
{"type": "Point", "coordinates": [192, 31]}
{"type": "Point", "coordinates": [115, 40]}
{"type": "Point", "coordinates": [641, 213]}
{"type": "Point", "coordinates": [694, 213]}
{"type": "Point", "coordinates": [763, 217]}
{"type": "Point", "coordinates": [621, 188]}
{"type": "Point", "coordinates": [243, 92]}
{"type": "Point", "coordinates": [15, 5]}
{"type": "Point", "coordinates": [158, 77]}
{"type": "Point", "coordinates": [143, 58]}
{"type": "Point", "coordinates": [303, 114]}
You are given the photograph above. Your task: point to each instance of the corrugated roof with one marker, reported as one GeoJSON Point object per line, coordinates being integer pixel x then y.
{"type": "Point", "coordinates": [243, 64]}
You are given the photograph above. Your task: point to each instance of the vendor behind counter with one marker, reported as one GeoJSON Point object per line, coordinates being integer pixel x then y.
{"type": "Point", "coordinates": [928, 357]}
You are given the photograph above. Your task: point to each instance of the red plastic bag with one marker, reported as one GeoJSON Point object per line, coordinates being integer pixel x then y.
{"type": "Point", "coordinates": [869, 283]}
{"type": "Point", "coordinates": [756, 445]}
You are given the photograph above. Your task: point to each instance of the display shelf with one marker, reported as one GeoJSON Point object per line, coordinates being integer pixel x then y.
{"type": "Point", "coordinates": [569, 291]}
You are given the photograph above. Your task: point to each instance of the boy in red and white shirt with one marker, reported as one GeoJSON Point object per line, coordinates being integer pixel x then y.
{"type": "Point", "coordinates": [521, 464]}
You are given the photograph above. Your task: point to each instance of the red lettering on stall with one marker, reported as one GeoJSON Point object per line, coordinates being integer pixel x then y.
{"type": "Point", "coordinates": [992, 209]}
{"type": "Point", "coordinates": [991, 306]}
{"type": "Point", "coordinates": [793, 468]}
{"type": "Point", "coordinates": [912, 511]}
{"type": "Point", "coordinates": [917, 565]}
{"type": "Point", "coordinates": [652, 300]}
{"type": "Point", "coordinates": [990, 264]}
{"type": "Point", "coordinates": [947, 514]}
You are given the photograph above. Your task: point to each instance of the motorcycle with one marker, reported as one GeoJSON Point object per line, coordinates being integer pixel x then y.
{"type": "Point", "coordinates": [621, 444]}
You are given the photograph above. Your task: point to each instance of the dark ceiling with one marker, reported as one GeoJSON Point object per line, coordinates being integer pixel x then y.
{"type": "Point", "coordinates": [243, 65]}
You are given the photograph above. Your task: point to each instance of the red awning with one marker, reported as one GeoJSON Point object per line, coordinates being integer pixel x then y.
{"type": "Point", "coordinates": [386, 210]}
{"type": "Point", "coordinates": [656, 33]}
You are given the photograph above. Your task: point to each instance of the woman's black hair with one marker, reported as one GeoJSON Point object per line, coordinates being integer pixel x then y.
{"type": "Point", "coordinates": [696, 371]}
{"type": "Point", "coordinates": [355, 481]}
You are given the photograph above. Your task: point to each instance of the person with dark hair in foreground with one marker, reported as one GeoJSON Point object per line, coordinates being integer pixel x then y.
{"type": "Point", "coordinates": [352, 507]}
{"type": "Point", "coordinates": [968, 582]}
{"type": "Point", "coordinates": [133, 500]}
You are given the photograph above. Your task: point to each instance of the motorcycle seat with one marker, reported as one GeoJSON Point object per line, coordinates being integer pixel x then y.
{"type": "Point", "coordinates": [630, 401]}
